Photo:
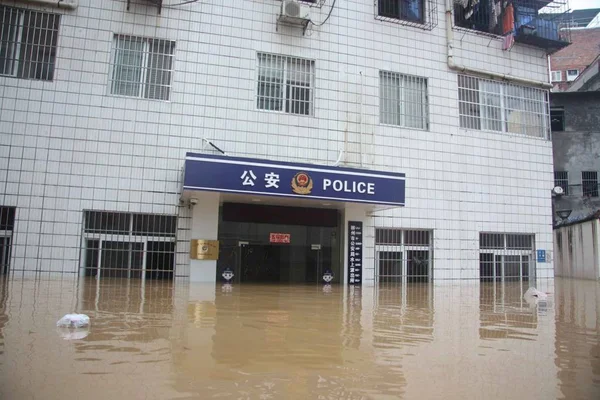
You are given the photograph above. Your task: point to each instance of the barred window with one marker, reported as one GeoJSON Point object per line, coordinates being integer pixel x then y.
{"type": "Point", "coordinates": [126, 245]}
{"type": "Point", "coordinates": [561, 178]}
{"type": "Point", "coordinates": [506, 257]}
{"type": "Point", "coordinates": [142, 67]}
{"type": "Point", "coordinates": [7, 225]}
{"type": "Point", "coordinates": [498, 106]}
{"type": "Point", "coordinates": [285, 84]}
{"type": "Point", "coordinates": [28, 43]}
{"type": "Point", "coordinates": [403, 100]}
{"type": "Point", "coordinates": [403, 255]}
{"type": "Point", "coordinates": [589, 181]}
{"type": "Point", "coordinates": [409, 10]}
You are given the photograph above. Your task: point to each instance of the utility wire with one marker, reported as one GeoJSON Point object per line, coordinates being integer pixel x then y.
{"type": "Point", "coordinates": [328, 15]}
{"type": "Point", "coordinates": [179, 4]}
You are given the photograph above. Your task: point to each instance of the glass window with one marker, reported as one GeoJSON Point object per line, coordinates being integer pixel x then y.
{"type": "Point", "coordinates": [142, 67]}
{"type": "Point", "coordinates": [285, 84]}
{"type": "Point", "coordinates": [28, 43]}
{"type": "Point", "coordinates": [403, 100]}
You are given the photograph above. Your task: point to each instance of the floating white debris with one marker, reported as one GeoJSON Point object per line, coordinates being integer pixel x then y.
{"type": "Point", "coordinates": [74, 321]}
{"type": "Point", "coordinates": [533, 292]}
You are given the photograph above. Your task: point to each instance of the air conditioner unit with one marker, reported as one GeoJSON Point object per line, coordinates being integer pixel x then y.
{"type": "Point", "coordinates": [294, 12]}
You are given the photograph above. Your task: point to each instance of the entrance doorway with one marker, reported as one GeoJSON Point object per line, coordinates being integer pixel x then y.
{"type": "Point", "coordinates": [267, 244]}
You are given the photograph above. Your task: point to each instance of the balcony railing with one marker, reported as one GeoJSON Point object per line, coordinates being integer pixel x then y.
{"type": "Point", "coordinates": [540, 23]}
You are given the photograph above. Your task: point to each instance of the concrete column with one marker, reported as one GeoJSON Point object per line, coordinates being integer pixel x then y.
{"type": "Point", "coordinates": [205, 225]}
{"type": "Point", "coordinates": [354, 213]}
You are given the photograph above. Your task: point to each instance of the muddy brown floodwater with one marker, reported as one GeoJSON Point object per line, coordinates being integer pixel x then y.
{"type": "Point", "coordinates": [165, 340]}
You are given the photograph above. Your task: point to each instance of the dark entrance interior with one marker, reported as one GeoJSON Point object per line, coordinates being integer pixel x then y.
{"type": "Point", "coordinates": [307, 248]}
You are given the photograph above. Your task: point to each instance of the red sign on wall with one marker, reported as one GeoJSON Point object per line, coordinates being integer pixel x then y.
{"type": "Point", "coordinates": [280, 238]}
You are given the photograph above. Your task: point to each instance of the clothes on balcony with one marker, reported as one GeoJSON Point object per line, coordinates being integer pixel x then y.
{"type": "Point", "coordinates": [508, 20]}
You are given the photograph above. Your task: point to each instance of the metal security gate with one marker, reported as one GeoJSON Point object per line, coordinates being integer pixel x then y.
{"type": "Point", "coordinates": [7, 225]}
{"type": "Point", "coordinates": [403, 255]}
{"type": "Point", "coordinates": [506, 257]}
{"type": "Point", "coordinates": [128, 245]}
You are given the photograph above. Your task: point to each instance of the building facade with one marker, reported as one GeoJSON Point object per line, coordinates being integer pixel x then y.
{"type": "Point", "coordinates": [366, 141]}
{"type": "Point", "coordinates": [569, 63]}
{"type": "Point", "coordinates": [576, 140]}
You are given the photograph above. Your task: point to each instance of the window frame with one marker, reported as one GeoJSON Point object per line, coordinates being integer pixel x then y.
{"type": "Point", "coordinates": [285, 86]}
{"type": "Point", "coordinates": [421, 20]}
{"type": "Point", "coordinates": [401, 89]}
{"type": "Point", "coordinates": [143, 84]}
{"type": "Point", "coordinates": [570, 77]}
{"type": "Point", "coordinates": [561, 178]}
{"type": "Point", "coordinates": [480, 109]}
{"type": "Point", "coordinates": [589, 178]}
{"type": "Point", "coordinates": [553, 75]}
{"type": "Point", "coordinates": [17, 71]}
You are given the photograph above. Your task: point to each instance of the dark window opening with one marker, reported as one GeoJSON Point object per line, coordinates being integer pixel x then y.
{"type": "Point", "coordinates": [561, 178]}
{"type": "Point", "coordinates": [557, 119]}
{"type": "Point", "coordinates": [589, 181]}
{"type": "Point", "coordinates": [408, 10]}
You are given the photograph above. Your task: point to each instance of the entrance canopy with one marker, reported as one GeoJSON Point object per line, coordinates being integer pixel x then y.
{"type": "Point", "coordinates": [246, 176]}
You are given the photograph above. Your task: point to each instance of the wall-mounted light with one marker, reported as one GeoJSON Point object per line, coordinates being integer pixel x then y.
{"type": "Point", "coordinates": [563, 214]}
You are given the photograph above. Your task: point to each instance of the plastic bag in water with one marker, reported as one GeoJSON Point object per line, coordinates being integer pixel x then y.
{"type": "Point", "coordinates": [74, 321]}
{"type": "Point", "coordinates": [533, 292]}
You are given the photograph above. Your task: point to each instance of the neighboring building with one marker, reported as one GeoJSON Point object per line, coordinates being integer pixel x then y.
{"type": "Point", "coordinates": [576, 248]}
{"type": "Point", "coordinates": [576, 141]}
{"type": "Point", "coordinates": [371, 144]}
{"type": "Point", "coordinates": [567, 64]}
{"type": "Point", "coordinates": [586, 18]}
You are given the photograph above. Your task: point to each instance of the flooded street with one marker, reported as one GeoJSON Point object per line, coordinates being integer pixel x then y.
{"type": "Point", "coordinates": [186, 341]}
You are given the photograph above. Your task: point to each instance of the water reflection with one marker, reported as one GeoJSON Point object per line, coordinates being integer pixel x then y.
{"type": "Point", "coordinates": [504, 313]}
{"type": "Point", "coordinates": [577, 344]}
{"type": "Point", "coordinates": [181, 340]}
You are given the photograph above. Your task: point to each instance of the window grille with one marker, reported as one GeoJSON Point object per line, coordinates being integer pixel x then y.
{"type": "Point", "coordinates": [561, 178]}
{"type": "Point", "coordinates": [589, 181]}
{"type": "Point", "coordinates": [416, 13]}
{"type": "Point", "coordinates": [506, 257]}
{"type": "Point", "coordinates": [28, 43]}
{"type": "Point", "coordinates": [403, 100]}
{"type": "Point", "coordinates": [125, 245]}
{"type": "Point", "coordinates": [7, 225]}
{"type": "Point", "coordinates": [142, 67]}
{"type": "Point", "coordinates": [501, 107]}
{"type": "Point", "coordinates": [285, 84]}
{"type": "Point", "coordinates": [403, 255]}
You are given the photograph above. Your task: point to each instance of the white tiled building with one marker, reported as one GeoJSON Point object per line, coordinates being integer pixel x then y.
{"type": "Point", "coordinates": [100, 104]}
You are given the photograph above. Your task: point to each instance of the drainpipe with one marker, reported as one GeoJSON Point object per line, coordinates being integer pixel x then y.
{"type": "Point", "coordinates": [461, 68]}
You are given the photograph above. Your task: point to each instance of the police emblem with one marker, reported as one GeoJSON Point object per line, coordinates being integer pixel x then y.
{"type": "Point", "coordinates": [302, 183]}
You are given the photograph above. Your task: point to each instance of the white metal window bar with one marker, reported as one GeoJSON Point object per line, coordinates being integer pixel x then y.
{"type": "Point", "coordinates": [142, 67]}
{"type": "Point", "coordinates": [285, 84]}
{"type": "Point", "coordinates": [7, 225]}
{"type": "Point", "coordinates": [506, 257]}
{"type": "Point", "coordinates": [502, 107]}
{"type": "Point", "coordinates": [403, 100]}
{"type": "Point", "coordinates": [125, 245]}
{"type": "Point", "coordinates": [403, 255]}
{"type": "Point", "coordinates": [561, 178]}
{"type": "Point", "coordinates": [589, 182]}
{"type": "Point", "coordinates": [28, 40]}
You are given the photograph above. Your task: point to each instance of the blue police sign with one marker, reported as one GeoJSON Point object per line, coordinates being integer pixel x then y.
{"type": "Point", "coordinates": [259, 177]}
{"type": "Point", "coordinates": [541, 256]}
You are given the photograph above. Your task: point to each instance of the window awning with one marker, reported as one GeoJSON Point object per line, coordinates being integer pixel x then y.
{"type": "Point", "coordinates": [255, 177]}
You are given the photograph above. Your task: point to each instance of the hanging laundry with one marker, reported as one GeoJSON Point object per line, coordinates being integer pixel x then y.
{"type": "Point", "coordinates": [508, 21]}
